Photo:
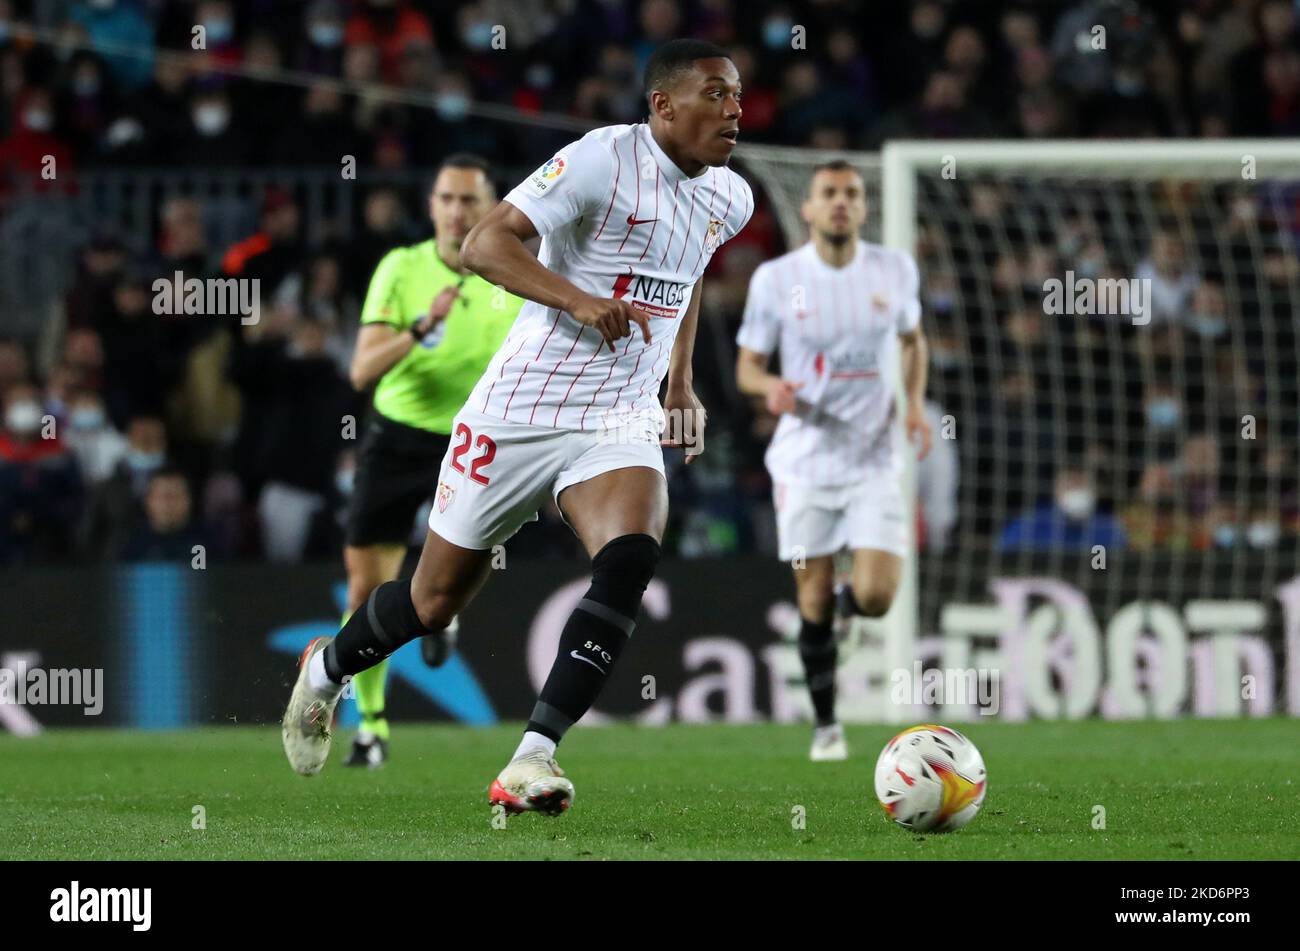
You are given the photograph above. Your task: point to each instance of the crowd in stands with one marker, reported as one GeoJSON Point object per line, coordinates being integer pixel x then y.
{"type": "Point", "coordinates": [139, 436]}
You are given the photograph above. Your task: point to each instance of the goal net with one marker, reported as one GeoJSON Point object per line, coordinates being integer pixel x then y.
{"type": "Point", "coordinates": [1109, 523]}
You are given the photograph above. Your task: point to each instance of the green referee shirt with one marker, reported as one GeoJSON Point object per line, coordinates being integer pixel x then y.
{"type": "Point", "coordinates": [430, 384]}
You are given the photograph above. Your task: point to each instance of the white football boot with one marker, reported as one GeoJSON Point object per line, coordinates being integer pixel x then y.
{"type": "Point", "coordinates": [532, 782]}
{"type": "Point", "coordinates": [307, 720]}
{"type": "Point", "coordinates": [828, 744]}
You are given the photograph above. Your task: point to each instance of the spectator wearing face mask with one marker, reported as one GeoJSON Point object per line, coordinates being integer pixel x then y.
{"type": "Point", "coordinates": [213, 139]}
{"type": "Point", "coordinates": [32, 145]}
{"type": "Point", "coordinates": [116, 503]}
{"type": "Point", "coordinates": [1070, 522]}
{"type": "Point", "coordinates": [169, 531]}
{"type": "Point", "coordinates": [40, 483]}
{"type": "Point", "coordinates": [93, 439]}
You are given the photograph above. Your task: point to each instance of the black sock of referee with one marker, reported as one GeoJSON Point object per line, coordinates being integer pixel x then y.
{"type": "Point", "coordinates": [380, 626]}
{"type": "Point", "coordinates": [595, 634]}
{"type": "Point", "coordinates": [818, 653]}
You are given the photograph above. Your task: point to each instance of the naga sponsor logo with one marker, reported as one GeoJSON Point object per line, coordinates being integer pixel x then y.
{"type": "Point", "coordinates": [654, 295]}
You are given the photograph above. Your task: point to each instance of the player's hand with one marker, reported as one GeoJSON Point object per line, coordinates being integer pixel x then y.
{"type": "Point", "coordinates": [780, 396]}
{"type": "Point", "coordinates": [612, 318]}
{"type": "Point", "coordinates": [439, 309]}
{"type": "Point", "coordinates": [685, 418]}
{"type": "Point", "coordinates": [919, 432]}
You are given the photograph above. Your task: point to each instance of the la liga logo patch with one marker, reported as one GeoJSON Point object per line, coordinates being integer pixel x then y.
{"type": "Point", "coordinates": [542, 179]}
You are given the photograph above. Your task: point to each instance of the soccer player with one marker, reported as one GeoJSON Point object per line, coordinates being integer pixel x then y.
{"type": "Point", "coordinates": [428, 329]}
{"type": "Point", "coordinates": [837, 309]}
{"type": "Point", "coordinates": [629, 217]}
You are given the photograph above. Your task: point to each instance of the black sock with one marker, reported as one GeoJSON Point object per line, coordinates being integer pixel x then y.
{"type": "Point", "coordinates": [818, 653]}
{"type": "Point", "coordinates": [380, 626]}
{"type": "Point", "coordinates": [595, 634]}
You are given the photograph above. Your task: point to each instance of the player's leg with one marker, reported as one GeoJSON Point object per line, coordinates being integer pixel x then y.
{"type": "Point", "coordinates": [810, 528]}
{"type": "Point", "coordinates": [619, 515]}
{"type": "Point", "coordinates": [815, 593]}
{"type": "Point", "coordinates": [877, 535]}
{"type": "Point", "coordinates": [368, 567]}
{"type": "Point", "coordinates": [874, 583]}
{"type": "Point", "coordinates": [446, 579]}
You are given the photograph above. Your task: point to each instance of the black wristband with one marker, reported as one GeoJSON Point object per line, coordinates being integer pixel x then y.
{"type": "Point", "coordinates": [414, 331]}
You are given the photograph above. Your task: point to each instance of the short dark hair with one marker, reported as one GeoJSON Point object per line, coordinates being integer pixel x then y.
{"type": "Point", "coordinates": [463, 160]}
{"type": "Point", "coordinates": [674, 58]}
{"type": "Point", "coordinates": [466, 160]}
{"type": "Point", "coordinates": [833, 165]}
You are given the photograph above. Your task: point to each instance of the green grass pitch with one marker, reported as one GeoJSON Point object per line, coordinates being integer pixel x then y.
{"type": "Point", "coordinates": [1194, 789]}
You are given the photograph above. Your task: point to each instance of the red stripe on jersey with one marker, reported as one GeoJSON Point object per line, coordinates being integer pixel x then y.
{"type": "Point", "coordinates": [600, 342]}
{"type": "Point", "coordinates": [592, 402]}
{"type": "Point", "coordinates": [552, 373]}
{"type": "Point", "coordinates": [656, 221]}
{"type": "Point", "coordinates": [673, 229]}
{"type": "Point", "coordinates": [686, 236]}
{"type": "Point", "coordinates": [636, 170]}
{"type": "Point", "coordinates": [504, 364]}
{"type": "Point", "coordinates": [728, 208]}
{"type": "Point", "coordinates": [631, 376]}
{"type": "Point", "coordinates": [614, 194]}
{"type": "Point", "coordinates": [524, 372]}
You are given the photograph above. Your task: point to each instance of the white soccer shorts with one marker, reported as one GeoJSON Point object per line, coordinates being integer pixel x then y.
{"type": "Point", "coordinates": [821, 520]}
{"type": "Point", "coordinates": [496, 474]}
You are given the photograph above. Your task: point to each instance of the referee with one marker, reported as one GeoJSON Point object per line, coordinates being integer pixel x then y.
{"type": "Point", "coordinates": [428, 330]}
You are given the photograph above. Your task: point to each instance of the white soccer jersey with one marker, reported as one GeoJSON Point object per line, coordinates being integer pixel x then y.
{"type": "Point", "coordinates": [837, 330]}
{"type": "Point", "coordinates": [618, 220]}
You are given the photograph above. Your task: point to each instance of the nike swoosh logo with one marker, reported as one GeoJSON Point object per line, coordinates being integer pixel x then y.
{"type": "Point", "coordinates": [633, 222]}
{"type": "Point", "coordinates": [587, 660]}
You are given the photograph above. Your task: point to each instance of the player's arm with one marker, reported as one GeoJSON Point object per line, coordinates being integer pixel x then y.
{"type": "Point", "coordinates": [495, 251]}
{"type": "Point", "coordinates": [380, 347]}
{"type": "Point", "coordinates": [387, 334]}
{"type": "Point", "coordinates": [914, 354]}
{"type": "Point", "coordinates": [685, 413]}
{"type": "Point", "coordinates": [915, 357]}
{"type": "Point", "coordinates": [756, 341]}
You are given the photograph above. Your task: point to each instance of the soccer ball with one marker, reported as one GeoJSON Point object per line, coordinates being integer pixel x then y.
{"type": "Point", "coordinates": [930, 778]}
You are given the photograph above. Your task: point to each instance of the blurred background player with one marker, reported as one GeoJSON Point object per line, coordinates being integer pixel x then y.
{"type": "Point", "coordinates": [835, 309]}
{"type": "Point", "coordinates": [428, 329]}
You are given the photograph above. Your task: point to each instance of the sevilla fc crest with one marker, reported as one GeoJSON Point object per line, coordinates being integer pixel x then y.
{"type": "Point", "coordinates": [713, 237]}
{"type": "Point", "coordinates": [445, 494]}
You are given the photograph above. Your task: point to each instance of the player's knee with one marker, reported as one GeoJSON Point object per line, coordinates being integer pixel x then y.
{"type": "Point", "coordinates": [873, 601]}
{"type": "Point", "coordinates": [628, 562]}
{"type": "Point", "coordinates": [434, 605]}
{"type": "Point", "coordinates": [816, 604]}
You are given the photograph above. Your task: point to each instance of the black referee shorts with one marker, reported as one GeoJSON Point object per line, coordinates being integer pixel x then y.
{"type": "Point", "coordinates": [397, 470]}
